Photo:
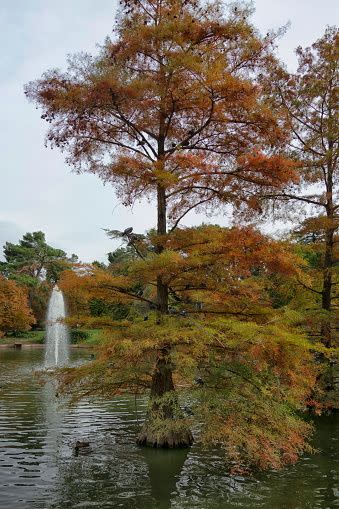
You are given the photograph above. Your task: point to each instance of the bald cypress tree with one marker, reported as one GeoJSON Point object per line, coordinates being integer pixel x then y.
{"type": "Point", "coordinates": [171, 109]}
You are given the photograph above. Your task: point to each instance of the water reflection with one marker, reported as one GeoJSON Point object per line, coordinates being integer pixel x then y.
{"type": "Point", "coordinates": [164, 469]}
{"type": "Point", "coordinates": [39, 470]}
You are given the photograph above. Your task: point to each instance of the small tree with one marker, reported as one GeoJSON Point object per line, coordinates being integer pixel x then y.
{"type": "Point", "coordinates": [15, 314]}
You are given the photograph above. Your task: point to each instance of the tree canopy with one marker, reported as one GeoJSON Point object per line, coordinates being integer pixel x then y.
{"type": "Point", "coordinates": [177, 107]}
{"type": "Point", "coordinates": [32, 260]}
{"type": "Point", "coordinates": [309, 101]}
{"type": "Point", "coordinates": [15, 313]}
{"type": "Point", "coordinates": [35, 265]}
{"type": "Point", "coordinates": [171, 105]}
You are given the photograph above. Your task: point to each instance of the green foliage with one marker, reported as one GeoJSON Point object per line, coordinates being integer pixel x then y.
{"type": "Point", "coordinates": [34, 264]}
{"type": "Point", "coordinates": [280, 291]}
{"type": "Point", "coordinates": [98, 307]}
{"type": "Point", "coordinates": [32, 336]}
{"type": "Point", "coordinates": [254, 377]}
{"type": "Point", "coordinates": [121, 255]}
{"type": "Point", "coordinates": [78, 335]}
{"type": "Point", "coordinates": [33, 259]}
{"type": "Point", "coordinates": [118, 311]}
{"type": "Point", "coordinates": [38, 298]}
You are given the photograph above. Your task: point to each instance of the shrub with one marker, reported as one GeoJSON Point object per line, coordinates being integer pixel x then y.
{"type": "Point", "coordinates": [77, 335]}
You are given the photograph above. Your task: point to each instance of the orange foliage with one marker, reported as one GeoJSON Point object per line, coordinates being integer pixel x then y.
{"type": "Point", "coordinates": [172, 102]}
{"type": "Point", "coordinates": [15, 314]}
{"type": "Point", "coordinates": [172, 108]}
{"type": "Point", "coordinates": [226, 271]}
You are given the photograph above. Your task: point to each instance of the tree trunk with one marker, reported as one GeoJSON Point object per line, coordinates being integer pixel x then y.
{"type": "Point", "coordinates": [330, 378]}
{"type": "Point", "coordinates": [164, 425]}
{"type": "Point", "coordinates": [326, 303]}
{"type": "Point", "coordinates": [162, 289]}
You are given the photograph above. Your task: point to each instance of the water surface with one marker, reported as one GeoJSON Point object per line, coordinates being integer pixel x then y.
{"type": "Point", "coordinates": [39, 469]}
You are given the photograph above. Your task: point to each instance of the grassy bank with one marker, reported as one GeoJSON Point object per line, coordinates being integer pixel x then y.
{"type": "Point", "coordinates": [35, 337]}
{"type": "Point", "coordinates": [93, 337]}
{"type": "Point", "coordinates": [89, 337]}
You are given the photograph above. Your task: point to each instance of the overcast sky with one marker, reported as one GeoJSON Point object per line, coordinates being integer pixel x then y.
{"type": "Point", "coordinates": [38, 190]}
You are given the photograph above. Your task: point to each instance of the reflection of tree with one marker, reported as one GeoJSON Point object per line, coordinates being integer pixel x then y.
{"type": "Point", "coordinates": [164, 468]}
{"type": "Point", "coordinates": [310, 483]}
{"type": "Point", "coordinates": [312, 480]}
{"type": "Point", "coordinates": [327, 438]}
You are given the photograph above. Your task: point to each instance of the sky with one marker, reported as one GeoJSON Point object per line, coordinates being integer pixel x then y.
{"type": "Point", "coordinates": [38, 191]}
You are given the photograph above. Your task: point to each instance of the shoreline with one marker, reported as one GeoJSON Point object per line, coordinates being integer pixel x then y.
{"type": "Point", "coordinates": [19, 346]}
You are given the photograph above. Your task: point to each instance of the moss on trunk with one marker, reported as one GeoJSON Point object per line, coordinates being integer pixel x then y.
{"type": "Point", "coordinates": [165, 425]}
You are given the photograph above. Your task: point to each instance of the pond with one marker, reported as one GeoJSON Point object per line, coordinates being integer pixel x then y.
{"type": "Point", "coordinates": [40, 470]}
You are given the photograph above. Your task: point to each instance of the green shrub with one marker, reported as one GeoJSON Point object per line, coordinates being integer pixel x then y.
{"type": "Point", "coordinates": [76, 335]}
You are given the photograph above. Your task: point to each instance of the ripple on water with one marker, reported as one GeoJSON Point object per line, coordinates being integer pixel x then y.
{"type": "Point", "coordinates": [39, 470]}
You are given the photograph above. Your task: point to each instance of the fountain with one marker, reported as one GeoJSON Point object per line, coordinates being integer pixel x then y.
{"type": "Point", "coordinates": [57, 339]}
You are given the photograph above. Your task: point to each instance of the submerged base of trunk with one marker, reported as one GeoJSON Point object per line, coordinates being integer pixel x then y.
{"type": "Point", "coordinates": [165, 425]}
{"type": "Point", "coordinates": [167, 434]}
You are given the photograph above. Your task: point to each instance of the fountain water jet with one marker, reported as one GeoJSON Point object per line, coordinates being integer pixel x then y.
{"type": "Point", "coordinates": [57, 339]}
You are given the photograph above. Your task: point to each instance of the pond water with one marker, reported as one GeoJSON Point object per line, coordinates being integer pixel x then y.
{"type": "Point", "coordinates": [39, 469]}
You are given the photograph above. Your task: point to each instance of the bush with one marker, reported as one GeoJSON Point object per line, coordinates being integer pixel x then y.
{"type": "Point", "coordinates": [77, 335]}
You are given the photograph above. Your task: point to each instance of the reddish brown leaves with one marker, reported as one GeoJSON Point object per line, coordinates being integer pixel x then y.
{"type": "Point", "coordinates": [15, 314]}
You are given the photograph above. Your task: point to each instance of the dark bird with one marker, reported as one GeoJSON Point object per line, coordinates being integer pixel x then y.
{"type": "Point", "coordinates": [145, 318]}
{"type": "Point", "coordinates": [128, 231]}
{"type": "Point", "coordinates": [82, 447]}
{"type": "Point", "coordinates": [80, 444]}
